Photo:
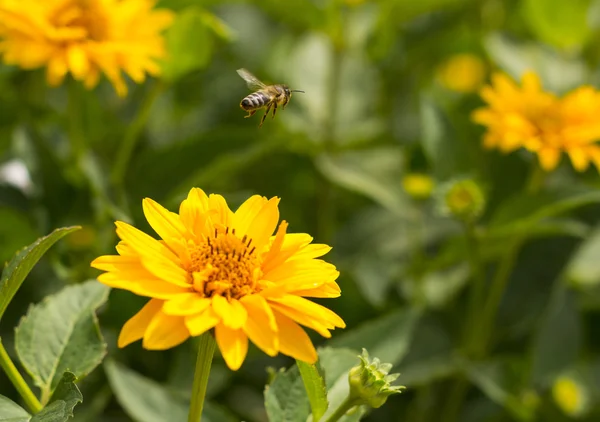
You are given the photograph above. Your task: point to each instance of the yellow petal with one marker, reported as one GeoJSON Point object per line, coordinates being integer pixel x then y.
{"type": "Point", "coordinates": [274, 256]}
{"type": "Point", "coordinates": [56, 69]}
{"type": "Point", "coordinates": [312, 251]}
{"type": "Point", "coordinates": [310, 308]}
{"type": "Point", "coordinates": [186, 304]}
{"type": "Point", "coordinates": [299, 317]}
{"type": "Point", "coordinates": [198, 324]}
{"type": "Point", "coordinates": [78, 61]}
{"type": "Point", "coordinates": [135, 327]}
{"type": "Point", "coordinates": [145, 245]}
{"type": "Point", "coordinates": [115, 262]}
{"type": "Point", "coordinates": [328, 290]}
{"type": "Point", "coordinates": [260, 325]}
{"type": "Point", "coordinates": [549, 158]}
{"type": "Point", "coordinates": [246, 213]}
{"type": "Point", "coordinates": [263, 225]}
{"type": "Point", "coordinates": [193, 213]}
{"type": "Point", "coordinates": [579, 158]}
{"type": "Point", "coordinates": [164, 332]}
{"type": "Point", "coordinates": [293, 340]}
{"type": "Point", "coordinates": [232, 312]}
{"type": "Point", "coordinates": [168, 271]}
{"type": "Point", "coordinates": [222, 214]}
{"type": "Point", "coordinates": [292, 243]}
{"type": "Point", "coordinates": [233, 345]}
{"type": "Point", "coordinates": [143, 287]}
{"type": "Point", "coordinates": [165, 223]}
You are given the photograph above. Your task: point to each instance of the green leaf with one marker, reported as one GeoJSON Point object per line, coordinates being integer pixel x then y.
{"type": "Point", "coordinates": [557, 344]}
{"type": "Point", "coordinates": [65, 332]}
{"type": "Point", "coordinates": [386, 338]}
{"type": "Point", "coordinates": [525, 210]}
{"type": "Point", "coordinates": [285, 397]}
{"type": "Point", "coordinates": [562, 24]}
{"type": "Point", "coordinates": [583, 269]}
{"type": "Point", "coordinates": [558, 72]}
{"type": "Point", "coordinates": [63, 401]}
{"type": "Point", "coordinates": [315, 388]}
{"type": "Point", "coordinates": [17, 269]}
{"type": "Point", "coordinates": [375, 173]}
{"type": "Point", "coordinates": [12, 412]}
{"type": "Point", "coordinates": [145, 400]}
{"type": "Point", "coordinates": [189, 44]}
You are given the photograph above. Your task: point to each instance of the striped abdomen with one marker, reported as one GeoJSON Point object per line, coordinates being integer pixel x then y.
{"type": "Point", "coordinates": [255, 101]}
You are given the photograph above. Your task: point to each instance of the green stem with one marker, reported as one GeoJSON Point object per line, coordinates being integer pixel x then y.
{"type": "Point", "coordinates": [206, 350]}
{"type": "Point", "coordinates": [76, 131]}
{"type": "Point", "coordinates": [342, 409]}
{"type": "Point", "coordinates": [132, 135]}
{"type": "Point", "coordinates": [457, 394]}
{"type": "Point", "coordinates": [17, 380]}
{"type": "Point", "coordinates": [478, 281]}
{"type": "Point", "coordinates": [494, 298]}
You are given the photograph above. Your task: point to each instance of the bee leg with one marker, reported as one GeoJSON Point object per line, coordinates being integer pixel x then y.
{"type": "Point", "coordinates": [265, 115]}
{"type": "Point", "coordinates": [274, 110]}
{"type": "Point", "coordinates": [250, 114]}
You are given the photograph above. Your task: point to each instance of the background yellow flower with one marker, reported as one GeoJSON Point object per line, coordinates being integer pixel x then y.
{"type": "Point", "coordinates": [462, 73]}
{"type": "Point", "coordinates": [528, 117]}
{"type": "Point", "coordinates": [84, 38]}
{"type": "Point", "coordinates": [223, 270]}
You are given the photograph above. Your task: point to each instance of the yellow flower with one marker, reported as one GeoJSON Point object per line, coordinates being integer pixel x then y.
{"type": "Point", "coordinates": [84, 37]}
{"type": "Point", "coordinates": [528, 117]}
{"type": "Point", "coordinates": [417, 185]}
{"type": "Point", "coordinates": [569, 395]}
{"type": "Point", "coordinates": [216, 268]}
{"type": "Point", "coordinates": [462, 73]}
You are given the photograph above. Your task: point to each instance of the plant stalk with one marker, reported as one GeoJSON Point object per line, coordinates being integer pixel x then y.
{"type": "Point", "coordinates": [206, 350]}
{"type": "Point", "coordinates": [17, 380]}
{"type": "Point", "coordinates": [342, 409]}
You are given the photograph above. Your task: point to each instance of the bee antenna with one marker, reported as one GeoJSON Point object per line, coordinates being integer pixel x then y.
{"type": "Point", "coordinates": [297, 90]}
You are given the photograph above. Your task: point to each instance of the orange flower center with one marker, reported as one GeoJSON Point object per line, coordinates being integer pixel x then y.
{"type": "Point", "coordinates": [225, 265]}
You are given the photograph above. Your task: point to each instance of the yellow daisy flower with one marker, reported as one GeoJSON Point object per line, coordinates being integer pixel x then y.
{"type": "Point", "coordinates": [462, 73]}
{"type": "Point", "coordinates": [219, 269]}
{"type": "Point", "coordinates": [84, 37]}
{"type": "Point", "coordinates": [528, 117]}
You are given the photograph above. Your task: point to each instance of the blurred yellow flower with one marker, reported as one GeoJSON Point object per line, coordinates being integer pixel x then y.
{"type": "Point", "coordinates": [216, 268]}
{"type": "Point", "coordinates": [417, 185]}
{"type": "Point", "coordinates": [569, 396]}
{"type": "Point", "coordinates": [528, 117]}
{"type": "Point", "coordinates": [462, 73]}
{"type": "Point", "coordinates": [84, 38]}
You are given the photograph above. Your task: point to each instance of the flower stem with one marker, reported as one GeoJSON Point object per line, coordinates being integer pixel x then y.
{"type": "Point", "coordinates": [17, 380]}
{"type": "Point", "coordinates": [478, 281]}
{"type": "Point", "coordinates": [206, 350]}
{"type": "Point", "coordinates": [132, 135]}
{"type": "Point", "coordinates": [346, 405]}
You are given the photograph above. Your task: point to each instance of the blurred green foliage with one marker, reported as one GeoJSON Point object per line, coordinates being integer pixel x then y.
{"type": "Point", "coordinates": [374, 111]}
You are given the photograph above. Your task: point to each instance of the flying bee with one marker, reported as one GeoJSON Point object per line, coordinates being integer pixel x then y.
{"type": "Point", "coordinates": [265, 96]}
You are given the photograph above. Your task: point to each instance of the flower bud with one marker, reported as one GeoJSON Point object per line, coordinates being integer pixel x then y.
{"type": "Point", "coordinates": [462, 199]}
{"type": "Point", "coordinates": [370, 382]}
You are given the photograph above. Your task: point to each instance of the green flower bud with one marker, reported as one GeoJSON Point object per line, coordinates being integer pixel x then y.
{"type": "Point", "coordinates": [370, 382]}
{"type": "Point", "coordinates": [462, 199]}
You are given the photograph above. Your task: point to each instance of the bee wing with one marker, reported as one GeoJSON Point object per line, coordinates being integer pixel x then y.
{"type": "Point", "coordinates": [252, 81]}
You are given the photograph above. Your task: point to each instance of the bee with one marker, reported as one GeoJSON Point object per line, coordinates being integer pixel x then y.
{"type": "Point", "coordinates": [265, 96]}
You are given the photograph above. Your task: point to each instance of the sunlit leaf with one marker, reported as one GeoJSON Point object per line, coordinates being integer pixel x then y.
{"type": "Point", "coordinates": [65, 332]}
{"type": "Point", "coordinates": [314, 385]}
{"type": "Point", "coordinates": [189, 44]}
{"type": "Point", "coordinates": [12, 412]}
{"type": "Point", "coordinates": [583, 269]}
{"type": "Point", "coordinates": [563, 24]}
{"type": "Point", "coordinates": [63, 401]}
{"type": "Point", "coordinates": [285, 397]}
{"type": "Point", "coordinates": [145, 400]}
{"type": "Point", "coordinates": [17, 269]}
